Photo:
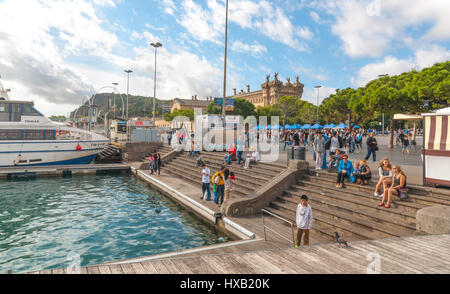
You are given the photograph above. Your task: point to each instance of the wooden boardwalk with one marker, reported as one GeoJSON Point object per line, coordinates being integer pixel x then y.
{"type": "Point", "coordinates": [411, 255]}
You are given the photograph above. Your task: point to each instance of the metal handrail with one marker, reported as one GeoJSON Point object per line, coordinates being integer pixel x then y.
{"type": "Point", "coordinates": [273, 231]}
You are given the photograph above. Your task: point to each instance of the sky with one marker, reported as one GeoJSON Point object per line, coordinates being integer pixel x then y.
{"type": "Point", "coordinates": [56, 52]}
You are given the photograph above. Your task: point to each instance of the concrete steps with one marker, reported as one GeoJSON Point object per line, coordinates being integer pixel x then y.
{"type": "Point", "coordinates": [357, 201]}
{"type": "Point", "coordinates": [247, 180]}
{"type": "Point", "coordinates": [194, 176]}
{"type": "Point", "coordinates": [353, 211]}
{"type": "Point", "coordinates": [258, 170]}
{"type": "Point", "coordinates": [254, 171]}
{"type": "Point", "coordinates": [417, 195]}
{"type": "Point", "coordinates": [242, 178]}
{"type": "Point", "coordinates": [385, 223]}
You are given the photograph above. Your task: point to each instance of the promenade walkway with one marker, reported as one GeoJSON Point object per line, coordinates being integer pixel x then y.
{"type": "Point", "coordinates": [412, 255]}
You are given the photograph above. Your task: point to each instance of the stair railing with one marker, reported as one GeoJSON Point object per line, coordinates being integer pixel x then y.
{"type": "Point", "coordinates": [275, 232]}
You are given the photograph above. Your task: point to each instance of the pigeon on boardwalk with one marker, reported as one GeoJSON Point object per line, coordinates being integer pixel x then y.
{"type": "Point", "coordinates": [339, 240]}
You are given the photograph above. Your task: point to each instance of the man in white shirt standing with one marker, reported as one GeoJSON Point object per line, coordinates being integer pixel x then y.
{"type": "Point", "coordinates": [304, 222]}
{"type": "Point", "coordinates": [206, 183]}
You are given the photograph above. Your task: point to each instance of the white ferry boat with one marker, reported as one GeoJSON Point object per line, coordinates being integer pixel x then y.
{"type": "Point", "coordinates": [28, 138]}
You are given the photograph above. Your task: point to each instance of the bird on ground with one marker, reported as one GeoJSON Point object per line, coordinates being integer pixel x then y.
{"type": "Point", "coordinates": [339, 240]}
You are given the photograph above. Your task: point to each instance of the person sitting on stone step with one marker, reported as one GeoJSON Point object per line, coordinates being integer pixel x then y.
{"type": "Point", "coordinates": [345, 170]}
{"type": "Point", "coordinates": [365, 173]}
{"type": "Point", "coordinates": [398, 187]}
{"type": "Point", "coordinates": [386, 174]}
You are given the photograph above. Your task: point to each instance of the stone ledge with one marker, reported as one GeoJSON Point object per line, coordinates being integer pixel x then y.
{"type": "Point", "coordinates": [434, 220]}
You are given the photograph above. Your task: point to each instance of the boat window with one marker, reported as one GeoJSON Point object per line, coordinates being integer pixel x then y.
{"type": "Point", "coordinates": [9, 135]}
{"type": "Point", "coordinates": [15, 107]}
{"type": "Point", "coordinates": [4, 116]}
{"type": "Point", "coordinates": [2, 107]}
{"type": "Point", "coordinates": [49, 135]}
{"type": "Point", "coordinates": [122, 129]}
{"type": "Point", "coordinates": [29, 110]}
{"type": "Point", "coordinates": [33, 134]}
{"type": "Point", "coordinates": [15, 116]}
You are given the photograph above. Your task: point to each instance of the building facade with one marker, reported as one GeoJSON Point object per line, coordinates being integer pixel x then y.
{"type": "Point", "coordinates": [272, 91]}
{"type": "Point", "coordinates": [178, 104]}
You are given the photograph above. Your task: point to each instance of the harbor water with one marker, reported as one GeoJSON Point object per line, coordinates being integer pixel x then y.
{"type": "Point", "coordinates": [50, 223]}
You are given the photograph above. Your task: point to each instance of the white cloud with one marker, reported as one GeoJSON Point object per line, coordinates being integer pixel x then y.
{"type": "Point", "coordinates": [254, 49]}
{"type": "Point", "coordinates": [39, 47]}
{"type": "Point", "coordinates": [262, 16]}
{"type": "Point", "coordinates": [393, 66]}
{"type": "Point", "coordinates": [310, 94]}
{"type": "Point", "coordinates": [169, 6]}
{"type": "Point", "coordinates": [105, 3]}
{"type": "Point", "coordinates": [36, 40]}
{"type": "Point", "coordinates": [367, 29]}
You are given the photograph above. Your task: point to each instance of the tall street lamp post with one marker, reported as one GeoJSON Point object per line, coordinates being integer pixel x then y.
{"type": "Point", "coordinates": [114, 95]}
{"type": "Point", "coordinates": [225, 63]}
{"type": "Point", "coordinates": [383, 125]}
{"type": "Point", "coordinates": [318, 101]}
{"type": "Point", "coordinates": [156, 46]}
{"type": "Point", "coordinates": [128, 86]}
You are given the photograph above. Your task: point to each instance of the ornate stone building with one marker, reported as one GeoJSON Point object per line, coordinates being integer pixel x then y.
{"type": "Point", "coordinates": [272, 91]}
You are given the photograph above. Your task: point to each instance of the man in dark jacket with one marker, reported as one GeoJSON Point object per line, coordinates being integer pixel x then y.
{"type": "Point", "coordinates": [297, 139]}
{"type": "Point", "coordinates": [372, 147]}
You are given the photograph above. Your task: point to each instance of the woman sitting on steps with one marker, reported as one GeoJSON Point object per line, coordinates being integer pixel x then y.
{"type": "Point", "coordinates": [385, 171]}
{"type": "Point", "coordinates": [398, 186]}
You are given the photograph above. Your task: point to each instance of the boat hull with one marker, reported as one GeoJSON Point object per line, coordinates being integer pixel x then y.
{"type": "Point", "coordinates": [14, 154]}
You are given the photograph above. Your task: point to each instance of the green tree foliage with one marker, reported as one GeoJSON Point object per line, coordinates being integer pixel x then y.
{"type": "Point", "coordinates": [189, 113]}
{"type": "Point", "coordinates": [58, 118]}
{"type": "Point", "coordinates": [289, 106]}
{"type": "Point", "coordinates": [307, 113]}
{"type": "Point", "coordinates": [410, 92]}
{"type": "Point", "coordinates": [269, 112]}
{"type": "Point", "coordinates": [241, 107]}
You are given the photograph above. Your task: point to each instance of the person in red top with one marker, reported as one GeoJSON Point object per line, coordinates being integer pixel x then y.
{"type": "Point", "coordinates": [230, 155]}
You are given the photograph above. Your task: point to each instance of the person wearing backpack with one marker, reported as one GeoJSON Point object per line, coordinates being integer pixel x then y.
{"type": "Point", "coordinates": [219, 180]}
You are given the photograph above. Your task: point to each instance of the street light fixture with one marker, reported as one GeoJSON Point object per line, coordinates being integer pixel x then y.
{"type": "Point", "coordinates": [225, 63]}
{"type": "Point", "coordinates": [128, 86]}
{"type": "Point", "coordinates": [383, 126]}
{"type": "Point", "coordinates": [156, 46]}
{"type": "Point", "coordinates": [318, 101]}
{"type": "Point", "coordinates": [115, 106]}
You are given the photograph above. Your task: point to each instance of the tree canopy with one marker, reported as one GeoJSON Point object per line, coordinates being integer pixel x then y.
{"type": "Point", "coordinates": [241, 107]}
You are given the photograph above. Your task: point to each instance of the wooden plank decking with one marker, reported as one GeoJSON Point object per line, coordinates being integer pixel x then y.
{"type": "Point", "coordinates": [412, 255]}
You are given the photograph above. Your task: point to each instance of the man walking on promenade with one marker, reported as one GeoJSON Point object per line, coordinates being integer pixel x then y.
{"type": "Point", "coordinates": [372, 147]}
{"type": "Point", "coordinates": [304, 222]}
{"type": "Point", "coordinates": [319, 148]}
{"type": "Point", "coordinates": [206, 182]}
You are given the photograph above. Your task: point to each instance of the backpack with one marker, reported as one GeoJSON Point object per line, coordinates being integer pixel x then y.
{"type": "Point", "coordinates": [216, 179]}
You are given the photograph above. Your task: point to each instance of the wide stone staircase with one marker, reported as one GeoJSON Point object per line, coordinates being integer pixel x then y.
{"type": "Point", "coordinates": [163, 150]}
{"type": "Point", "coordinates": [247, 180]}
{"type": "Point", "coordinates": [112, 153]}
{"type": "Point", "coordinates": [353, 211]}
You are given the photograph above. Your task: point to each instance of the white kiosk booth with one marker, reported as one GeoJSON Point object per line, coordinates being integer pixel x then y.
{"type": "Point", "coordinates": [436, 151]}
